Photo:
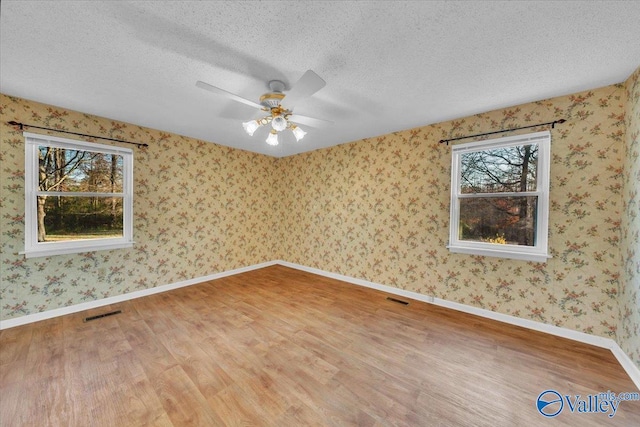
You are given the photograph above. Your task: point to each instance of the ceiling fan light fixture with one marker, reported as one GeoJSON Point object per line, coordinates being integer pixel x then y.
{"type": "Point", "coordinates": [279, 123]}
{"type": "Point", "coordinates": [271, 104]}
{"type": "Point", "coordinates": [272, 139]}
{"type": "Point", "coordinates": [250, 126]}
{"type": "Point", "coordinates": [297, 132]}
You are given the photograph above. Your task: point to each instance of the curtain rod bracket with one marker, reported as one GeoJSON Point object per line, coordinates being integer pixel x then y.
{"type": "Point", "coordinates": [14, 123]}
{"type": "Point", "coordinates": [553, 124]}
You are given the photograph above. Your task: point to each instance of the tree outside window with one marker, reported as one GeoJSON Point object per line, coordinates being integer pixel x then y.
{"type": "Point", "coordinates": [69, 173]}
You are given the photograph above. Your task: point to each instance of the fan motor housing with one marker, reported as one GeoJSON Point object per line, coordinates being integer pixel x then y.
{"type": "Point", "coordinates": [271, 100]}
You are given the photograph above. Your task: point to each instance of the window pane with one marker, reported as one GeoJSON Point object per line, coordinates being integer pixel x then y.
{"type": "Point", "coordinates": [505, 220]}
{"type": "Point", "coordinates": [499, 170]}
{"type": "Point", "coordinates": [62, 218]}
{"type": "Point", "coordinates": [75, 170]}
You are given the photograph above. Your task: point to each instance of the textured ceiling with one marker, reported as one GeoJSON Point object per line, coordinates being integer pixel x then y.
{"type": "Point", "coordinates": [389, 66]}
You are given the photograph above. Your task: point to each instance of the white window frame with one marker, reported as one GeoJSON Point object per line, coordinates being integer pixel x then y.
{"type": "Point", "coordinates": [540, 251]}
{"type": "Point", "coordinates": [33, 248]}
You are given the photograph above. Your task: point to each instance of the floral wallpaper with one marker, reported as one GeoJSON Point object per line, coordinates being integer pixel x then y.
{"type": "Point", "coordinates": [629, 335]}
{"type": "Point", "coordinates": [378, 209]}
{"type": "Point", "coordinates": [199, 208]}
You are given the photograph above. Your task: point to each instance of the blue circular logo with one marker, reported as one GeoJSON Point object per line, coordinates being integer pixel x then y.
{"type": "Point", "coordinates": [549, 403]}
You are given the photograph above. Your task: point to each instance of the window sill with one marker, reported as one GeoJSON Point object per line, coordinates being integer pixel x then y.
{"type": "Point", "coordinates": [511, 254]}
{"type": "Point", "coordinates": [43, 252]}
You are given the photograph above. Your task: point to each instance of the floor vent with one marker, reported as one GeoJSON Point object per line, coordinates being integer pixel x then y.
{"type": "Point", "coordinates": [398, 301]}
{"type": "Point", "coordinates": [100, 316]}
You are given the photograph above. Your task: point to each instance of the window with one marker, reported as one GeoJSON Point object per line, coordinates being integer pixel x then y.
{"type": "Point", "coordinates": [78, 196]}
{"type": "Point", "coordinates": [500, 197]}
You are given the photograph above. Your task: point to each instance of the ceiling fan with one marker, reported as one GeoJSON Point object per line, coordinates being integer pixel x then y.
{"type": "Point", "coordinates": [280, 110]}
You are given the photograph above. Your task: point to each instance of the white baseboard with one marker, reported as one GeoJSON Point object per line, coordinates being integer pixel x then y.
{"type": "Point", "coordinates": [30, 318]}
{"type": "Point", "coordinates": [632, 370]}
{"type": "Point", "coordinates": [626, 362]}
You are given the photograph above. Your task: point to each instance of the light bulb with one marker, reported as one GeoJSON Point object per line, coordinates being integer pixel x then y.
{"type": "Point", "coordinates": [279, 123]}
{"type": "Point", "coordinates": [298, 133]}
{"type": "Point", "coordinates": [250, 126]}
{"type": "Point", "coordinates": [272, 139]}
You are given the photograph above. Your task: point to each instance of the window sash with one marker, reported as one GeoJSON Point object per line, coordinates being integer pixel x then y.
{"type": "Point", "coordinates": [77, 194]}
{"type": "Point", "coordinates": [498, 195]}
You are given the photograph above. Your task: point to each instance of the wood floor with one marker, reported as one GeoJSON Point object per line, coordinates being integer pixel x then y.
{"type": "Point", "coordinates": [280, 347]}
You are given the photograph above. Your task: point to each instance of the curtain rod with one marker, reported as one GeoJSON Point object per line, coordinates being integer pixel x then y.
{"type": "Point", "coordinates": [553, 125]}
{"type": "Point", "coordinates": [23, 125]}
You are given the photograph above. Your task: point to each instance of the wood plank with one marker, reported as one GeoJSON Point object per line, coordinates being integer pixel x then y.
{"type": "Point", "coordinates": [182, 400]}
{"type": "Point", "coordinates": [203, 370]}
{"type": "Point", "coordinates": [15, 344]}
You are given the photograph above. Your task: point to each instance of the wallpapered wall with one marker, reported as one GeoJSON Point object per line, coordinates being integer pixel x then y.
{"type": "Point", "coordinates": [199, 208]}
{"type": "Point", "coordinates": [629, 335]}
{"type": "Point", "coordinates": [378, 209]}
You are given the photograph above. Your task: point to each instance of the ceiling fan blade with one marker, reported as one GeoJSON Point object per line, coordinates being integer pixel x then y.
{"type": "Point", "coordinates": [309, 121]}
{"type": "Point", "coordinates": [237, 98]}
{"type": "Point", "coordinates": [308, 84]}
